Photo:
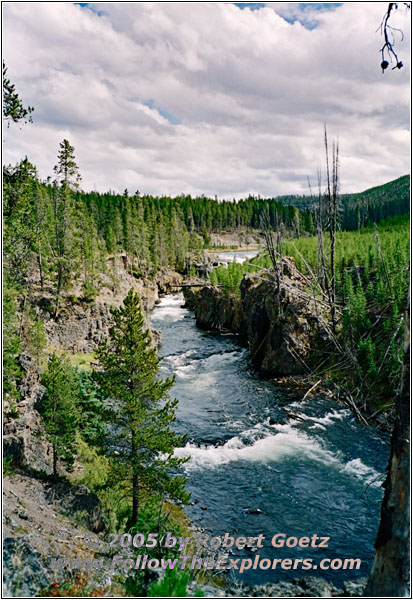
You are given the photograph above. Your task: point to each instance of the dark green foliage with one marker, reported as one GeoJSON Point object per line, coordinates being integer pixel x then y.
{"type": "Point", "coordinates": [8, 467]}
{"type": "Point", "coordinates": [230, 277]}
{"type": "Point", "coordinates": [19, 187]}
{"type": "Point", "coordinates": [93, 413]}
{"type": "Point", "coordinates": [66, 169]}
{"type": "Point", "coordinates": [172, 585]}
{"type": "Point", "coordinates": [365, 208]}
{"type": "Point", "coordinates": [154, 517]}
{"type": "Point", "coordinates": [11, 345]}
{"type": "Point", "coordinates": [13, 109]}
{"type": "Point", "coordinates": [59, 410]}
{"type": "Point", "coordinates": [140, 442]}
{"type": "Point", "coordinates": [35, 339]}
{"type": "Point", "coordinates": [372, 270]}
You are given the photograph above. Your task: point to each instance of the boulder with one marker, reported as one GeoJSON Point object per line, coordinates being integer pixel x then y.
{"type": "Point", "coordinates": [284, 327]}
{"type": "Point", "coordinates": [78, 500]}
{"type": "Point", "coordinates": [25, 571]}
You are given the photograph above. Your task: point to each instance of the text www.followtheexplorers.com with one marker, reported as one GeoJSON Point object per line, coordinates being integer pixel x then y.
{"type": "Point", "coordinates": [194, 559]}
{"type": "Point", "coordinates": [221, 563]}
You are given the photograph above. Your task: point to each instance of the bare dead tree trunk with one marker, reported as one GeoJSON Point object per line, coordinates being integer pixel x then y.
{"type": "Point", "coordinates": [269, 243]}
{"type": "Point", "coordinates": [332, 210]}
{"type": "Point", "coordinates": [389, 577]}
{"type": "Point", "coordinates": [321, 259]}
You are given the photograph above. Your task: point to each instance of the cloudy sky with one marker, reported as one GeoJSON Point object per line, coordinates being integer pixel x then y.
{"type": "Point", "coordinates": [215, 98]}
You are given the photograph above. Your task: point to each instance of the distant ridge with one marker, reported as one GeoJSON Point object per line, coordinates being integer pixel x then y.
{"type": "Point", "coordinates": [370, 206]}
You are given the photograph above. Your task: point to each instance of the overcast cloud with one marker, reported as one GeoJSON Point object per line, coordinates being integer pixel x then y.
{"type": "Point", "coordinates": [208, 97]}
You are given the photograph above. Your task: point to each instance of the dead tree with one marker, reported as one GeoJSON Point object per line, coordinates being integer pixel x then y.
{"type": "Point", "coordinates": [332, 202]}
{"type": "Point", "coordinates": [387, 31]}
{"type": "Point", "coordinates": [269, 244]}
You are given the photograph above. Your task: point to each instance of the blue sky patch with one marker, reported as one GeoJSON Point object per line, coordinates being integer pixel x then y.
{"type": "Point", "coordinates": [250, 5]}
{"type": "Point", "coordinates": [163, 112]}
{"type": "Point", "coordinates": [90, 6]}
{"type": "Point", "coordinates": [303, 12]}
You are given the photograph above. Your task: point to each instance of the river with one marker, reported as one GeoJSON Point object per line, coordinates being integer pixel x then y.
{"type": "Point", "coordinates": [254, 469]}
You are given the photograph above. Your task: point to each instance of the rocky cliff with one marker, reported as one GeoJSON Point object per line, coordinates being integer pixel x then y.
{"type": "Point", "coordinates": [285, 327]}
{"type": "Point", "coordinates": [80, 325]}
{"type": "Point", "coordinates": [41, 521]}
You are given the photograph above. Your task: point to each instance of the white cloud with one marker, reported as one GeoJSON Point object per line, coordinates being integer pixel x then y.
{"type": "Point", "coordinates": [206, 97]}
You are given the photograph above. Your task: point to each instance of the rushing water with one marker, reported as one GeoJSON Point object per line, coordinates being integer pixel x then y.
{"type": "Point", "coordinates": [239, 256]}
{"type": "Point", "coordinates": [254, 468]}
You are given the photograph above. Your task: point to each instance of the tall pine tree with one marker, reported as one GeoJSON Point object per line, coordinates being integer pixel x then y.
{"type": "Point", "coordinates": [141, 442]}
{"type": "Point", "coordinates": [59, 410]}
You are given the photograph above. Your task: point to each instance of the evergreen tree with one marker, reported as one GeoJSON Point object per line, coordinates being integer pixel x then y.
{"type": "Point", "coordinates": [65, 216]}
{"type": "Point", "coordinates": [67, 170]}
{"type": "Point", "coordinates": [11, 345]}
{"type": "Point", "coordinates": [13, 109]}
{"type": "Point", "coordinates": [37, 340]}
{"type": "Point", "coordinates": [141, 441]}
{"type": "Point", "coordinates": [59, 410]}
{"type": "Point", "coordinates": [64, 241]}
{"type": "Point", "coordinates": [90, 254]}
{"type": "Point", "coordinates": [19, 183]}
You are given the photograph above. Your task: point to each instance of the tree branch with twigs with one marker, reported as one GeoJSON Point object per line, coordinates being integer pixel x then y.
{"type": "Point", "coordinates": [388, 32]}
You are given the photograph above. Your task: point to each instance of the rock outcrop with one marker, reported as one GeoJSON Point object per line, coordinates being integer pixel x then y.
{"type": "Point", "coordinates": [23, 440]}
{"type": "Point", "coordinates": [285, 328]}
{"type": "Point", "coordinates": [214, 310]}
{"type": "Point", "coordinates": [80, 326]}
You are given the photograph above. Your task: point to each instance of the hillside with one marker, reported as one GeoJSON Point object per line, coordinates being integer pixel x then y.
{"type": "Point", "coordinates": [370, 206]}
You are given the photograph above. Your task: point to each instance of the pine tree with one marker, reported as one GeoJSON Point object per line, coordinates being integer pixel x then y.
{"type": "Point", "coordinates": [67, 170]}
{"type": "Point", "coordinates": [19, 183]}
{"type": "Point", "coordinates": [90, 254]}
{"type": "Point", "coordinates": [141, 443]}
{"type": "Point", "coordinates": [13, 109]}
{"type": "Point", "coordinates": [11, 344]}
{"type": "Point", "coordinates": [59, 410]}
{"type": "Point", "coordinates": [65, 243]}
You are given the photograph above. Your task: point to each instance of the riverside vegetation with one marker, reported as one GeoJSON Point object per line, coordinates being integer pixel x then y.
{"type": "Point", "coordinates": [372, 279]}
{"type": "Point", "coordinates": [109, 427]}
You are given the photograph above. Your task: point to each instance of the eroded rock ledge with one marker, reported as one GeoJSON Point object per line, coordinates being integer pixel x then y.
{"type": "Point", "coordinates": [286, 328]}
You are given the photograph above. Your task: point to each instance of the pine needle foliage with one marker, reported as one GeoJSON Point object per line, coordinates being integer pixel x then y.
{"type": "Point", "coordinates": [140, 442]}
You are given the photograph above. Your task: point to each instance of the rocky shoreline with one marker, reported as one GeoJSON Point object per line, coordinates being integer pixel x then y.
{"type": "Point", "coordinates": [32, 516]}
{"type": "Point", "coordinates": [285, 329]}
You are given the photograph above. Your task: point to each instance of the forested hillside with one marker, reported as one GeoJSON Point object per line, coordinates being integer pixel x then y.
{"type": "Point", "coordinates": [63, 247]}
{"type": "Point", "coordinates": [70, 233]}
{"type": "Point", "coordinates": [364, 208]}
{"type": "Point", "coordinates": [371, 269]}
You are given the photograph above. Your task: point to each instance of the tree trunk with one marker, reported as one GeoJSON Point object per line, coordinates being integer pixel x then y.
{"type": "Point", "coordinates": [135, 484]}
{"type": "Point", "coordinates": [39, 262]}
{"type": "Point", "coordinates": [389, 576]}
{"type": "Point", "coordinates": [54, 463]}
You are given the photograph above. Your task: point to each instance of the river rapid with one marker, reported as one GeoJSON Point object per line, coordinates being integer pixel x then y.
{"type": "Point", "coordinates": [255, 469]}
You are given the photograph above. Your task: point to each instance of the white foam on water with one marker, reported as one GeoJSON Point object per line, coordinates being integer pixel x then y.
{"type": "Point", "coordinates": [177, 360]}
{"type": "Point", "coordinates": [185, 372]}
{"type": "Point", "coordinates": [288, 442]}
{"type": "Point", "coordinates": [335, 415]}
{"type": "Point", "coordinates": [240, 256]}
{"type": "Point", "coordinates": [170, 309]}
{"type": "Point", "coordinates": [220, 361]}
{"type": "Point", "coordinates": [318, 426]}
{"type": "Point", "coordinates": [328, 419]}
{"type": "Point", "coordinates": [361, 471]}
{"type": "Point", "coordinates": [266, 448]}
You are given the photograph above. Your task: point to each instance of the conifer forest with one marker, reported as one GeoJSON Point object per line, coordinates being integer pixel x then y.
{"type": "Point", "coordinates": [206, 394]}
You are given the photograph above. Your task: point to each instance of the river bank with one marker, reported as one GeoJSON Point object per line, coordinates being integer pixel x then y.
{"type": "Point", "coordinates": [263, 461]}
{"type": "Point", "coordinates": [245, 447]}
